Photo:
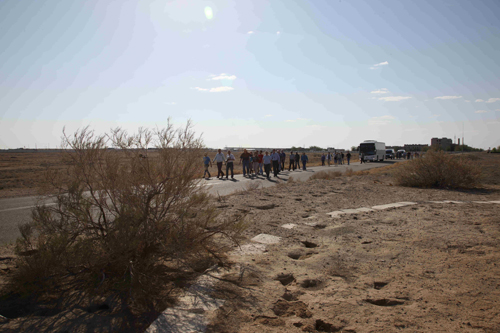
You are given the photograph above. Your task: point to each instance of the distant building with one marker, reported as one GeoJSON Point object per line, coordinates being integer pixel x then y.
{"type": "Point", "coordinates": [443, 143]}
{"type": "Point", "coordinates": [415, 147]}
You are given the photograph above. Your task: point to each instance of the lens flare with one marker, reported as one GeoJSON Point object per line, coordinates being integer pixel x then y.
{"type": "Point", "coordinates": [209, 14]}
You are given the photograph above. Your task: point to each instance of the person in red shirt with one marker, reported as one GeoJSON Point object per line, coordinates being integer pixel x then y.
{"type": "Point", "coordinates": [261, 157]}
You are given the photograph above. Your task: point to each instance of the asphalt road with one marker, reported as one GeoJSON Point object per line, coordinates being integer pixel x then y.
{"type": "Point", "coordinates": [16, 211]}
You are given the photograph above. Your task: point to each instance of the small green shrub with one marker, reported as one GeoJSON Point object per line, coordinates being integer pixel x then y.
{"type": "Point", "coordinates": [440, 170]}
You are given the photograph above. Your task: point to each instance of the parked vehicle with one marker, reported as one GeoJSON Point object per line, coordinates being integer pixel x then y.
{"type": "Point", "coordinates": [373, 150]}
{"type": "Point", "coordinates": [389, 153]}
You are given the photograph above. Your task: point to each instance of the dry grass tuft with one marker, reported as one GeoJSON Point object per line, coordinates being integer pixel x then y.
{"type": "Point", "coordinates": [439, 169]}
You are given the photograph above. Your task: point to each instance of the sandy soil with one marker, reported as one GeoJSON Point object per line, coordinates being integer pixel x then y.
{"type": "Point", "coordinates": [430, 267]}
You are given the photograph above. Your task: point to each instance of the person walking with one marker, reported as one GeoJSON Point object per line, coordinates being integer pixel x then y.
{"type": "Point", "coordinates": [250, 165]}
{"type": "Point", "coordinates": [304, 161]}
{"type": "Point", "coordinates": [266, 160]}
{"type": "Point", "coordinates": [219, 158]}
{"type": "Point", "coordinates": [335, 155]}
{"type": "Point", "coordinates": [208, 163]}
{"type": "Point", "coordinates": [282, 159]}
{"type": "Point", "coordinates": [275, 158]}
{"type": "Point", "coordinates": [348, 155]}
{"type": "Point", "coordinates": [245, 158]}
{"type": "Point", "coordinates": [297, 160]}
{"type": "Point", "coordinates": [292, 161]}
{"type": "Point", "coordinates": [329, 158]}
{"type": "Point", "coordinates": [261, 156]}
{"type": "Point", "coordinates": [323, 157]}
{"type": "Point", "coordinates": [342, 158]}
{"type": "Point", "coordinates": [230, 164]}
{"type": "Point", "coordinates": [361, 158]}
{"type": "Point", "coordinates": [256, 163]}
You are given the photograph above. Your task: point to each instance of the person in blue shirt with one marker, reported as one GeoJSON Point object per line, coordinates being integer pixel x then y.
{"type": "Point", "coordinates": [304, 161]}
{"type": "Point", "coordinates": [208, 163]}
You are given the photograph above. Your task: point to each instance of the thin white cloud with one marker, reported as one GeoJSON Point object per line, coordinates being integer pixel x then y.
{"type": "Point", "coordinates": [380, 91]}
{"type": "Point", "coordinates": [221, 89]}
{"type": "Point", "coordinates": [467, 101]}
{"type": "Point", "coordinates": [200, 89]}
{"type": "Point", "coordinates": [493, 100]}
{"type": "Point", "coordinates": [382, 120]}
{"type": "Point", "coordinates": [290, 120]}
{"type": "Point", "coordinates": [394, 98]}
{"type": "Point", "coordinates": [217, 89]}
{"type": "Point", "coordinates": [448, 97]}
{"type": "Point", "coordinates": [435, 116]}
{"type": "Point", "coordinates": [482, 111]}
{"type": "Point", "coordinates": [379, 64]}
{"type": "Point", "coordinates": [250, 32]}
{"type": "Point", "coordinates": [278, 33]}
{"type": "Point", "coordinates": [268, 115]}
{"type": "Point", "coordinates": [224, 77]}
{"type": "Point", "coordinates": [170, 103]}
{"type": "Point", "coordinates": [479, 100]}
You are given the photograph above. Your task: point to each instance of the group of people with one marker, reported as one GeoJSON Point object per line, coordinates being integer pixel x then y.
{"type": "Point", "coordinates": [256, 163]}
{"type": "Point", "coordinates": [336, 157]}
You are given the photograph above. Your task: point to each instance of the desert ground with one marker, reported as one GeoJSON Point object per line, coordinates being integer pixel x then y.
{"type": "Point", "coordinates": [432, 265]}
{"type": "Point", "coordinates": [21, 174]}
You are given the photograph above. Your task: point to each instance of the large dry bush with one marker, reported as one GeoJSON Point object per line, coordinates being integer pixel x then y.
{"type": "Point", "coordinates": [124, 218]}
{"type": "Point", "coordinates": [439, 169]}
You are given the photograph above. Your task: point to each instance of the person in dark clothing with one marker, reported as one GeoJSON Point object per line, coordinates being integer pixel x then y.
{"type": "Point", "coordinates": [348, 155]}
{"type": "Point", "coordinates": [304, 161]}
{"type": "Point", "coordinates": [297, 160]}
{"type": "Point", "coordinates": [245, 158]}
{"type": "Point", "coordinates": [282, 159]}
{"type": "Point", "coordinates": [292, 161]}
{"type": "Point", "coordinates": [323, 157]}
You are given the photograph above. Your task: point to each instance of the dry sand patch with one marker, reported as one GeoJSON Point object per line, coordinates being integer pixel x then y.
{"type": "Point", "coordinates": [425, 267]}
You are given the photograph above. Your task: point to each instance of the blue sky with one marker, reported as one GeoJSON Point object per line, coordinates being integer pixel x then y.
{"type": "Point", "coordinates": [252, 73]}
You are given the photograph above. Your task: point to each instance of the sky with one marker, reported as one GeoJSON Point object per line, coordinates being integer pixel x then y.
{"type": "Point", "coordinates": [257, 73]}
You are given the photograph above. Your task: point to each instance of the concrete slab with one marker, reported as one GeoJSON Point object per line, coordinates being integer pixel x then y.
{"type": "Point", "coordinates": [364, 210]}
{"type": "Point", "coordinates": [453, 202]}
{"type": "Point", "coordinates": [388, 206]}
{"type": "Point", "coordinates": [266, 239]}
{"type": "Point", "coordinates": [350, 211]}
{"type": "Point", "coordinates": [407, 203]}
{"type": "Point", "coordinates": [495, 202]}
{"type": "Point", "coordinates": [482, 202]}
{"type": "Point", "coordinates": [289, 226]}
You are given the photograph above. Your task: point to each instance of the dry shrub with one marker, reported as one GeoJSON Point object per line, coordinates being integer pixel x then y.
{"type": "Point", "coordinates": [330, 174]}
{"type": "Point", "coordinates": [439, 169]}
{"type": "Point", "coordinates": [124, 218]}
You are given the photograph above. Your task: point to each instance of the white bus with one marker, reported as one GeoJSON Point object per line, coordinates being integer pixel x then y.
{"type": "Point", "coordinates": [373, 150]}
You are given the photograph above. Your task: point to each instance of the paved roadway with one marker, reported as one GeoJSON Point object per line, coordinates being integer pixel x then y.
{"type": "Point", "coordinates": [16, 211]}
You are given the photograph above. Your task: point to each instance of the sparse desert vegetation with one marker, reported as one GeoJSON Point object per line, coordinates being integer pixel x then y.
{"type": "Point", "coordinates": [379, 271]}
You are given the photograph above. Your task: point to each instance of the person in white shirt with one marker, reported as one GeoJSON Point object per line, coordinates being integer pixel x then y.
{"type": "Point", "coordinates": [230, 164]}
{"type": "Point", "coordinates": [275, 157]}
{"type": "Point", "coordinates": [219, 158]}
